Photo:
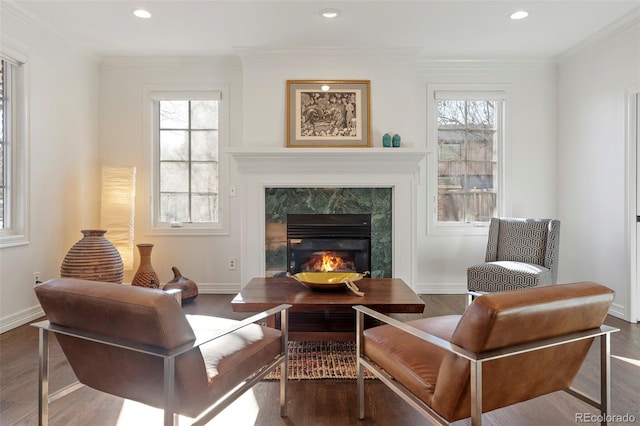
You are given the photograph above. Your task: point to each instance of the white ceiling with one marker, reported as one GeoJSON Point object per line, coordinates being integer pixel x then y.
{"type": "Point", "coordinates": [439, 29]}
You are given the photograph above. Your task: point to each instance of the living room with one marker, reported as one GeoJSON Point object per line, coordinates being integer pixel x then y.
{"type": "Point", "coordinates": [107, 91]}
{"type": "Point", "coordinates": [86, 111]}
{"type": "Point", "coordinates": [570, 145]}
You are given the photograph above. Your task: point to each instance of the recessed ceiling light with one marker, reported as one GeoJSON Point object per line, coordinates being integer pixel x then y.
{"type": "Point", "coordinates": [141, 13]}
{"type": "Point", "coordinates": [329, 13]}
{"type": "Point", "coordinates": [521, 14]}
{"type": "Point", "coordinates": [325, 87]}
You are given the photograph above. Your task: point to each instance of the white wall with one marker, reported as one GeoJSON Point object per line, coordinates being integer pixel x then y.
{"type": "Point", "coordinates": [125, 142]}
{"type": "Point", "coordinates": [398, 99]}
{"type": "Point", "coordinates": [63, 175]}
{"type": "Point", "coordinates": [399, 82]}
{"type": "Point", "coordinates": [392, 92]}
{"type": "Point", "coordinates": [529, 151]}
{"type": "Point", "coordinates": [592, 80]}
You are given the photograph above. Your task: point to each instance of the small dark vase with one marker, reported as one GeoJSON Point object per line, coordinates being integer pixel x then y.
{"type": "Point", "coordinates": [386, 140]}
{"type": "Point", "coordinates": [188, 287]}
{"type": "Point", "coordinates": [395, 141]}
{"type": "Point", "coordinates": [145, 275]}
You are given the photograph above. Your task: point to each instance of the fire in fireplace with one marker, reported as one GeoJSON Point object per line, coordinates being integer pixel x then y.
{"type": "Point", "coordinates": [327, 261]}
{"type": "Point", "coordinates": [328, 242]}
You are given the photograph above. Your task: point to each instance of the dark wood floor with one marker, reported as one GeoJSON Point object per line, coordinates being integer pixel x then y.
{"type": "Point", "coordinates": [311, 402]}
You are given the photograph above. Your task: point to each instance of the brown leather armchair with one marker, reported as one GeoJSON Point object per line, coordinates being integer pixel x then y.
{"type": "Point", "coordinates": [137, 343]}
{"type": "Point", "coordinates": [507, 347]}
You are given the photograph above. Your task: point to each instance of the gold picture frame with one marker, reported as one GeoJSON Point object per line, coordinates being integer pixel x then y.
{"type": "Point", "coordinates": [328, 113]}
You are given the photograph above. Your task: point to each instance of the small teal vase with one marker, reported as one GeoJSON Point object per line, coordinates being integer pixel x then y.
{"type": "Point", "coordinates": [386, 140]}
{"type": "Point", "coordinates": [396, 140]}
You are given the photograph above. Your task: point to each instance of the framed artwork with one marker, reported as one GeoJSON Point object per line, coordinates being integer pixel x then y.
{"type": "Point", "coordinates": [328, 113]}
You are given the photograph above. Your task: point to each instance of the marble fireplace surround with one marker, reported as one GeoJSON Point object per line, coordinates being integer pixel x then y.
{"type": "Point", "coordinates": [396, 168]}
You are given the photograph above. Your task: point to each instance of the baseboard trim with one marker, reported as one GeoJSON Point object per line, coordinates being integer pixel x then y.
{"type": "Point", "coordinates": [618, 311]}
{"type": "Point", "coordinates": [218, 288]}
{"type": "Point", "coordinates": [440, 288]}
{"type": "Point", "coordinates": [21, 318]}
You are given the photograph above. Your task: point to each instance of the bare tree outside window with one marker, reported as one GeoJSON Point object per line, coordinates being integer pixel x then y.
{"type": "Point", "coordinates": [188, 167]}
{"type": "Point", "coordinates": [467, 160]}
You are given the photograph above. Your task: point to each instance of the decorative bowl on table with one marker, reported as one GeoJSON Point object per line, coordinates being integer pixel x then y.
{"type": "Point", "coordinates": [327, 281]}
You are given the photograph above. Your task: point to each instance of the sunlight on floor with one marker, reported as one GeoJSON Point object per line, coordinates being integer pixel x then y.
{"type": "Point", "coordinates": [242, 412]}
{"type": "Point", "coordinates": [632, 361]}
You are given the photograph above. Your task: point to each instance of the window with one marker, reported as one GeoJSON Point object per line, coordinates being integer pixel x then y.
{"type": "Point", "coordinates": [468, 155]}
{"type": "Point", "coordinates": [187, 168]}
{"type": "Point", "coordinates": [188, 146]}
{"type": "Point", "coordinates": [13, 149]}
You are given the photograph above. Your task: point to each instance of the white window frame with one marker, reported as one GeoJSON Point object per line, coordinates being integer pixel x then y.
{"type": "Point", "coordinates": [16, 232]}
{"type": "Point", "coordinates": [153, 94]}
{"type": "Point", "coordinates": [437, 92]}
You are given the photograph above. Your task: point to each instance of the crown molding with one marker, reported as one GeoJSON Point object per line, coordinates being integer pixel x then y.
{"type": "Point", "coordinates": [220, 63]}
{"type": "Point", "coordinates": [12, 10]}
{"type": "Point", "coordinates": [626, 27]}
{"type": "Point", "coordinates": [328, 56]}
{"type": "Point", "coordinates": [466, 66]}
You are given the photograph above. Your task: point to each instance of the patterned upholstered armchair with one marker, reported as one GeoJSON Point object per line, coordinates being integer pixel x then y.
{"type": "Point", "coordinates": [521, 253]}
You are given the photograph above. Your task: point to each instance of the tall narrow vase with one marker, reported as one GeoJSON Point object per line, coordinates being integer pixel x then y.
{"type": "Point", "coordinates": [93, 258]}
{"type": "Point", "coordinates": [145, 275]}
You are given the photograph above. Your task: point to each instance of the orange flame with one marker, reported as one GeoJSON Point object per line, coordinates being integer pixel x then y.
{"type": "Point", "coordinates": [326, 262]}
{"type": "Point", "coordinates": [331, 263]}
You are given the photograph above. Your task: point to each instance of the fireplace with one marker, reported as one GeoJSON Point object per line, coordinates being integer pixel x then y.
{"type": "Point", "coordinates": [261, 168]}
{"type": "Point", "coordinates": [328, 242]}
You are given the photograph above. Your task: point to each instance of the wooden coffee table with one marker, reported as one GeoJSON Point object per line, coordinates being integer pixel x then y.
{"type": "Point", "coordinates": [326, 315]}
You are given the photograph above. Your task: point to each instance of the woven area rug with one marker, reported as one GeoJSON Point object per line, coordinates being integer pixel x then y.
{"type": "Point", "coordinates": [321, 360]}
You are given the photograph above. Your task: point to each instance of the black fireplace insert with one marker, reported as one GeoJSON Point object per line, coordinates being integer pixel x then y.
{"type": "Point", "coordinates": [328, 242]}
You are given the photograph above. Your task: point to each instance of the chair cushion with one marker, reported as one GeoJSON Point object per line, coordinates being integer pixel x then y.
{"type": "Point", "coordinates": [488, 323]}
{"type": "Point", "coordinates": [135, 314]}
{"type": "Point", "coordinates": [522, 241]}
{"type": "Point", "coordinates": [230, 358]}
{"type": "Point", "coordinates": [410, 360]}
{"type": "Point", "coordinates": [506, 275]}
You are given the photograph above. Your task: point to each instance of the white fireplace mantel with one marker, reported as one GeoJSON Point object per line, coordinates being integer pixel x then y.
{"type": "Point", "coordinates": [396, 168]}
{"type": "Point", "coordinates": [396, 160]}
